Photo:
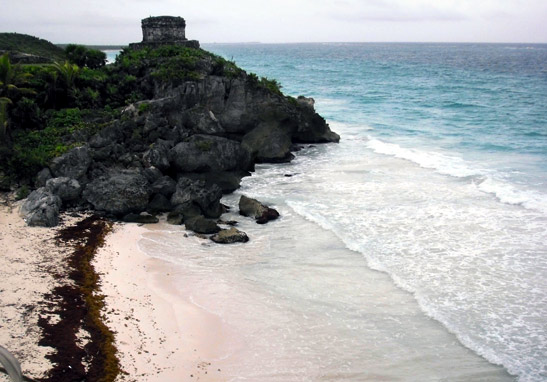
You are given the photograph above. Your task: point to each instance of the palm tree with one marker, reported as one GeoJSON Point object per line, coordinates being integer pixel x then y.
{"type": "Point", "coordinates": [4, 101]}
{"type": "Point", "coordinates": [67, 73]}
{"type": "Point", "coordinates": [11, 79]}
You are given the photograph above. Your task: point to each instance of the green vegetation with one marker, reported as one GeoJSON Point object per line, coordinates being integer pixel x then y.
{"type": "Point", "coordinates": [22, 192]}
{"type": "Point", "coordinates": [271, 85]}
{"type": "Point", "coordinates": [11, 80]}
{"type": "Point", "coordinates": [47, 109]}
{"type": "Point", "coordinates": [165, 63]}
{"type": "Point", "coordinates": [16, 42]}
{"type": "Point", "coordinates": [85, 57]}
{"type": "Point", "coordinates": [33, 149]}
{"type": "Point", "coordinates": [143, 107]}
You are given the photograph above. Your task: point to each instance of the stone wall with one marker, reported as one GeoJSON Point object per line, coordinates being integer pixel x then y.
{"type": "Point", "coordinates": [163, 29]}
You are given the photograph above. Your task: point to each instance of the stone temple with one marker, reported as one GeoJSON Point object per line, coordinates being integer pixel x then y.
{"type": "Point", "coordinates": [164, 30]}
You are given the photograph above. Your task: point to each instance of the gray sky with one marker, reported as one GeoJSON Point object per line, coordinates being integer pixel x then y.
{"type": "Point", "coordinates": [118, 21]}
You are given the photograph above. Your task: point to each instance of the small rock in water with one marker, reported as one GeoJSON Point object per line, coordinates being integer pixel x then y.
{"type": "Point", "coordinates": [229, 236]}
{"type": "Point", "coordinates": [200, 224]}
{"type": "Point", "coordinates": [253, 208]}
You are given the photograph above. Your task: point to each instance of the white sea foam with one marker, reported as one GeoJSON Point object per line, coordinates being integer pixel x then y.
{"type": "Point", "coordinates": [484, 179]}
{"type": "Point", "coordinates": [509, 194]}
{"type": "Point", "coordinates": [442, 163]}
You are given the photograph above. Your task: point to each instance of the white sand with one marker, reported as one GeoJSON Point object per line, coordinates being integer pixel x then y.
{"type": "Point", "coordinates": [160, 335]}
{"type": "Point", "coordinates": [28, 257]}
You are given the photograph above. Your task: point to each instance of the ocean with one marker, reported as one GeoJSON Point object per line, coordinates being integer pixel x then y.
{"type": "Point", "coordinates": [413, 250]}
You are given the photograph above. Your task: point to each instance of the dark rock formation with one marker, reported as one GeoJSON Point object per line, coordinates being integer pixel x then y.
{"type": "Point", "coordinates": [268, 143]}
{"type": "Point", "coordinates": [180, 213]}
{"type": "Point", "coordinates": [119, 192]}
{"type": "Point", "coordinates": [66, 189]}
{"type": "Point", "coordinates": [74, 164]}
{"type": "Point", "coordinates": [189, 192]}
{"type": "Point", "coordinates": [200, 224]}
{"type": "Point", "coordinates": [253, 208]}
{"type": "Point", "coordinates": [140, 218]}
{"type": "Point", "coordinates": [229, 236]}
{"type": "Point", "coordinates": [192, 139]}
{"type": "Point", "coordinates": [42, 177]}
{"type": "Point", "coordinates": [41, 208]}
{"type": "Point", "coordinates": [164, 186]}
{"type": "Point", "coordinates": [205, 153]}
{"type": "Point", "coordinates": [227, 181]}
{"type": "Point", "coordinates": [159, 203]}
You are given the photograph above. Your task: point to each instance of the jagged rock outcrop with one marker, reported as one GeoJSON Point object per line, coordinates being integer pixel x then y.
{"type": "Point", "coordinates": [194, 192]}
{"type": "Point", "coordinates": [65, 188]}
{"type": "Point", "coordinates": [119, 192]}
{"type": "Point", "coordinates": [206, 153]}
{"type": "Point", "coordinates": [194, 139]}
{"type": "Point", "coordinates": [253, 208]}
{"type": "Point", "coordinates": [74, 164]}
{"type": "Point", "coordinates": [41, 208]}
{"type": "Point", "coordinates": [268, 142]}
{"type": "Point", "coordinates": [140, 218]}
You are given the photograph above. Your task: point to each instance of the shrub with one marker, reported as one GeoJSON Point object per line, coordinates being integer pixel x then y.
{"type": "Point", "coordinates": [84, 57]}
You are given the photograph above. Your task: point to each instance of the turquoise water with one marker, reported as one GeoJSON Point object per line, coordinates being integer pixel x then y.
{"type": "Point", "coordinates": [413, 250]}
{"type": "Point", "coordinates": [485, 104]}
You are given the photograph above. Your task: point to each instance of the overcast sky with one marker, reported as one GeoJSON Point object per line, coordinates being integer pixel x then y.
{"type": "Point", "coordinates": [118, 21]}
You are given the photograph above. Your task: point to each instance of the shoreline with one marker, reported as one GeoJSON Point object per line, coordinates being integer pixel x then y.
{"type": "Point", "coordinates": [159, 335]}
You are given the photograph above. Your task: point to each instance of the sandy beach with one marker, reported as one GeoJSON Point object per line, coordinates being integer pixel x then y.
{"type": "Point", "coordinates": [29, 260]}
{"type": "Point", "coordinates": [159, 335]}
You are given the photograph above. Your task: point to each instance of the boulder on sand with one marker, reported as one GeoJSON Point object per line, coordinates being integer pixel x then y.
{"type": "Point", "coordinates": [41, 208]}
{"type": "Point", "coordinates": [119, 192]}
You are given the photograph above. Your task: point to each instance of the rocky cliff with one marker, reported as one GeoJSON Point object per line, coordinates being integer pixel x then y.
{"type": "Point", "coordinates": [200, 126]}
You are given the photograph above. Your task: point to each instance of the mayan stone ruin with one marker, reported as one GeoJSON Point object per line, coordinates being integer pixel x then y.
{"type": "Point", "coordinates": [164, 30]}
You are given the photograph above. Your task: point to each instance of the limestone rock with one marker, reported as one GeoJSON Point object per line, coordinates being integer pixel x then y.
{"type": "Point", "coordinates": [140, 218]}
{"type": "Point", "coordinates": [227, 181]}
{"type": "Point", "coordinates": [164, 186]}
{"type": "Point", "coordinates": [200, 224]}
{"type": "Point", "coordinates": [204, 153]}
{"type": "Point", "coordinates": [41, 208]}
{"type": "Point", "coordinates": [229, 236]}
{"type": "Point", "coordinates": [253, 208]}
{"type": "Point", "coordinates": [203, 121]}
{"type": "Point", "coordinates": [74, 164]}
{"type": "Point", "coordinates": [65, 188]}
{"type": "Point", "coordinates": [158, 156]}
{"type": "Point", "coordinates": [190, 192]}
{"type": "Point", "coordinates": [159, 203]}
{"type": "Point", "coordinates": [119, 192]}
{"type": "Point", "coordinates": [152, 174]}
{"type": "Point", "coordinates": [43, 176]}
{"type": "Point", "coordinates": [268, 143]}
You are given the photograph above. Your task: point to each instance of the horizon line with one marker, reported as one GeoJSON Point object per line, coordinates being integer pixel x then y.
{"type": "Point", "coordinates": [324, 42]}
